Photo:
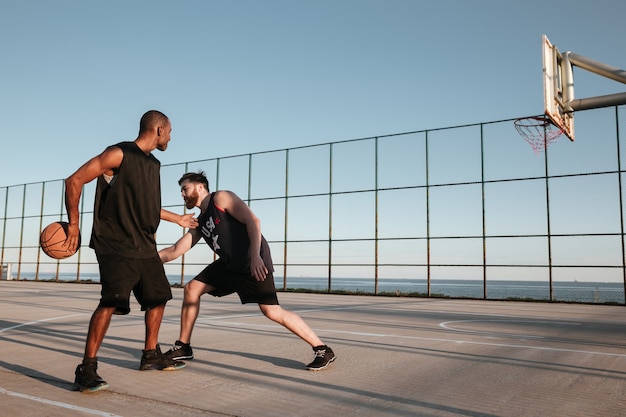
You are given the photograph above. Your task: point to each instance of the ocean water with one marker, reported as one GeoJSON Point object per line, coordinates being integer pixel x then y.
{"type": "Point", "coordinates": [582, 292]}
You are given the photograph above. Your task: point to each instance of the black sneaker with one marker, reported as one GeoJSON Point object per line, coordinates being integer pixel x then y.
{"type": "Point", "coordinates": [180, 351]}
{"type": "Point", "coordinates": [324, 356]}
{"type": "Point", "coordinates": [155, 360]}
{"type": "Point", "coordinates": [87, 379]}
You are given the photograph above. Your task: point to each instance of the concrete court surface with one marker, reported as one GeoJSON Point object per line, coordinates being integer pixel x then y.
{"type": "Point", "coordinates": [396, 357]}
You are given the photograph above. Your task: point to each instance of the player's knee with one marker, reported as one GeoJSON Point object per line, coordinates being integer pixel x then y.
{"type": "Point", "coordinates": [275, 313]}
{"type": "Point", "coordinates": [272, 312]}
{"type": "Point", "coordinates": [190, 292]}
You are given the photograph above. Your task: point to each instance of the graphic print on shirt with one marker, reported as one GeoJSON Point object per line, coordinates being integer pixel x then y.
{"type": "Point", "coordinates": [229, 239]}
{"type": "Point", "coordinates": [207, 230]}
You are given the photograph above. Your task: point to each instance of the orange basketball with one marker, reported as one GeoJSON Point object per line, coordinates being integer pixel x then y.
{"type": "Point", "coordinates": [52, 239]}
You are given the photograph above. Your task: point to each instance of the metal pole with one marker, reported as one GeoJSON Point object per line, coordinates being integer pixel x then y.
{"type": "Point", "coordinates": [597, 67]}
{"type": "Point", "coordinates": [427, 220]}
{"type": "Point", "coordinates": [19, 262]}
{"type": "Point", "coordinates": [330, 216]}
{"type": "Point", "coordinates": [286, 234]}
{"type": "Point", "coordinates": [482, 185]}
{"type": "Point", "coordinates": [4, 224]}
{"type": "Point", "coordinates": [43, 193]}
{"type": "Point", "coordinates": [376, 215]}
{"type": "Point", "coordinates": [598, 102]}
{"type": "Point", "coordinates": [545, 157]}
{"type": "Point", "coordinates": [621, 198]}
{"type": "Point", "coordinates": [58, 266]}
{"type": "Point", "coordinates": [249, 178]}
{"type": "Point", "coordinates": [182, 258]}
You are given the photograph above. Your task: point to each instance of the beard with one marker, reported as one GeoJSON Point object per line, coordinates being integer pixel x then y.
{"type": "Point", "coordinates": [192, 200]}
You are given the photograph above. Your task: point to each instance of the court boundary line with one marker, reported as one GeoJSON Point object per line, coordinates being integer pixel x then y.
{"type": "Point", "coordinates": [57, 403]}
{"type": "Point", "coordinates": [17, 326]}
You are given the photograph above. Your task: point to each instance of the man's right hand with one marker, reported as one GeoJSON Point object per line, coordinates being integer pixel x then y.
{"type": "Point", "coordinates": [73, 238]}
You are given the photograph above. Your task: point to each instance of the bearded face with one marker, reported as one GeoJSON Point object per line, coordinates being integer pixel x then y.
{"type": "Point", "coordinates": [190, 195]}
{"type": "Point", "coordinates": [191, 199]}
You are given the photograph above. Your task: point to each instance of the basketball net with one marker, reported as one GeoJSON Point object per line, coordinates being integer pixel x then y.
{"type": "Point", "coordinates": [538, 131]}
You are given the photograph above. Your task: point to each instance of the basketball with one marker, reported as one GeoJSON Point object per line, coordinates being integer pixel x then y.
{"type": "Point", "coordinates": [52, 239]}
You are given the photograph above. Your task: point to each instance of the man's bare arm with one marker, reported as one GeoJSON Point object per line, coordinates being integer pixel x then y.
{"type": "Point", "coordinates": [183, 220]}
{"type": "Point", "coordinates": [106, 162]}
{"type": "Point", "coordinates": [183, 244]}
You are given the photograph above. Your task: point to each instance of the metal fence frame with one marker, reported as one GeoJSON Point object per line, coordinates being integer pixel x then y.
{"type": "Point", "coordinates": [18, 220]}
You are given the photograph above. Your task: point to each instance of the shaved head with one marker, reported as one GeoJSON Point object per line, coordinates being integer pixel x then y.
{"type": "Point", "coordinates": [152, 119]}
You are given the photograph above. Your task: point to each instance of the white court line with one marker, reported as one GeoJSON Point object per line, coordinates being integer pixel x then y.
{"type": "Point", "coordinates": [446, 326]}
{"type": "Point", "coordinates": [6, 329]}
{"type": "Point", "coordinates": [469, 342]}
{"type": "Point", "coordinates": [430, 339]}
{"type": "Point", "coordinates": [58, 404]}
{"type": "Point", "coordinates": [43, 400]}
{"type": "Point", "coordinates": [259, 314]}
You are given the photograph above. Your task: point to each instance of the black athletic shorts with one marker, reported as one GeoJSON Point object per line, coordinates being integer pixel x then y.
{"type": "Point", "coordinates": [225, 282]}
{"type": "Point", "coordinates": [144, 277]}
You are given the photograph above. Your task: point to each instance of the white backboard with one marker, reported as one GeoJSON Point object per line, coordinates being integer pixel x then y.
{"type": "Point", "coordinates": [558, 88]}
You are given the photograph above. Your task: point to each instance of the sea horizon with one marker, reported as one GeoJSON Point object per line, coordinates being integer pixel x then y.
{"type": "Point", "coordinates": [566, 291]}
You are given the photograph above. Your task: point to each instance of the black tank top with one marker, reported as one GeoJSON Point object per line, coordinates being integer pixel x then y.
{"type": "Point", "coordinates": [127, 210]}
{"type": "Point", "coordinates": [229, 239]}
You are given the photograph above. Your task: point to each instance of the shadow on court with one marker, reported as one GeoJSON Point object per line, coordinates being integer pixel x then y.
{"type": "Point", "coordinates": [396, 357]}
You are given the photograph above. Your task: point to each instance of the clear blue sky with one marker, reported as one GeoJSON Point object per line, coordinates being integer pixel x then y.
{"type": "Point", "coordinates": [244, 76]}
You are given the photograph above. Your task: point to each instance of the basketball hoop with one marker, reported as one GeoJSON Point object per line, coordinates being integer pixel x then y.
{"type": "Point", "coordinates": [538, 131]}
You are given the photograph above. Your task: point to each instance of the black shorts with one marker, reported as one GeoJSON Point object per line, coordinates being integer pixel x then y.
{"type": "Point", "coordinates": [225, 282]}
{"type": "Point", "coordinates": [144, 277]}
